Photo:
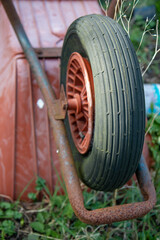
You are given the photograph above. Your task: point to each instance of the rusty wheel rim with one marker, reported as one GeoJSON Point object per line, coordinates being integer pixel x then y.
{"type": "Point", "coordinates": [79, 90]}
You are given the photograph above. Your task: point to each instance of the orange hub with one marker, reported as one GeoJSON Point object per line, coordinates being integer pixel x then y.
{"type": "Point", "coordinates": [79, 91]}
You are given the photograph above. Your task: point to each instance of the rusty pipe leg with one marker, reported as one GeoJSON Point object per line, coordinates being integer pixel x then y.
{"type": "Point", "coordinates": [113, 8]}
{"type": "Point", "coordinates": [145, 182]}
{"type": "Point", "coordinates": [110, 214]}
{"type": "Point", "coordinates": [99, 216]}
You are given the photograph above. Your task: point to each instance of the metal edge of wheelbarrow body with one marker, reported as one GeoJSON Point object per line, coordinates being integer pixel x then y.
{"type": "Point", "coordinates": [99, 216]}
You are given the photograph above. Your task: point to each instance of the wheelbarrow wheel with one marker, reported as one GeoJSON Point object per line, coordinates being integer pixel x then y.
{"type": "Point", "coordinates": [105, 121]}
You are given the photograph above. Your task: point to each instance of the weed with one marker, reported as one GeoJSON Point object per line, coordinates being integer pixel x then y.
{"type": "Point", "coordinates": [9, 217]}
{"type": "Point", "coordinates": [53, 218]}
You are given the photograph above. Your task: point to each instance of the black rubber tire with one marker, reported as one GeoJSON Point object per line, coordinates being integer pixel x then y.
{"type": "Point", "coordinates": [119, 117]}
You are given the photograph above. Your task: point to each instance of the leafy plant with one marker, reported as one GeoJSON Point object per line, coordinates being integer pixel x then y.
{"type": "Point", "coordinates": [9, 214]}
{"type": "Point", "coordinates": [7, 228]}
{"type": "Point", "coordinates": [40, 187]}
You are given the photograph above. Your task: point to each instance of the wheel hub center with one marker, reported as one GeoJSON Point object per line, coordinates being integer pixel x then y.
{"type": "Point", "coordinates": [80, 101]}
{"type": "Point", "coordinates": [75, 103]}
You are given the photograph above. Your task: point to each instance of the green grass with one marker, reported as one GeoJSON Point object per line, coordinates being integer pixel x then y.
{"type": "Point", "coordinates": [53, 217]}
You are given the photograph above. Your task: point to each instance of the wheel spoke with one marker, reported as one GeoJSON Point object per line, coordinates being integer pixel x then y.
{"type": "Point", "coordinates": [77, 135]}
{"type": "Point", "coordinates": [85, 104]}
{"type": "Point", "coordinates": [72, 70]}
{"type": "Point", "coordinates": [71, 76]}
{"type": "Point", "coordinates": [73, 121]}
{"type": "Point", "coordinates": [85, 127]}
{"type": "Point", "coordinates": [81, 78]}
{"type": "Point", "coordinates": [79, 116]}
{"type": "Point", "coordinates": [75, 128]}
{"type": "Point", "coordinates": [85, 108]}
{"type": "Point", "coordinates": [84, 98]}
{"type": "Point", "coordinates": [80, 141]}
{"type": "Point", "coordinates": [71, 85]}
{"type": "Point", "coordinates": [86, 115]}
{"type": "Point", "coordinates": [83, 92]}
{"type": "Point", "coordinates": [75, 65]}
{"type": "Point", "coordinates": [77, 88]}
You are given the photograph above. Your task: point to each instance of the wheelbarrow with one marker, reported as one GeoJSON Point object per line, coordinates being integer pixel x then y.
{"type": "Point", "coordinates": [98, 119]}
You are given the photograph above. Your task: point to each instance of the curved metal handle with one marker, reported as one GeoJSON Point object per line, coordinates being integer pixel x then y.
{"type": "Point", "coordinates": [109, 214]}
{"type": "Point", "coordinates": [99, 216]}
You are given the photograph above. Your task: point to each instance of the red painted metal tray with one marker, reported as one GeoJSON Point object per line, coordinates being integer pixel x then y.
{"type": "Point", "coordinates": [27, 148]}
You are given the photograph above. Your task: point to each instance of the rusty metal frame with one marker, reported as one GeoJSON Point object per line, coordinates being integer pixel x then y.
{"type": "Point", "coordinates": [54, 52]}
{"type": "Point", "coordinates": [60, 105]}
{"type": "Point", "coordinates": [98, 216]}
{"type": "Point", "coordinates": [113, 8]}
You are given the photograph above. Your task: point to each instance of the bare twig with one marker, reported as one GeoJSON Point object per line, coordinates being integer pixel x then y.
{"type": "Point", "coordinates": [128, 187]}
{"type": "Point", "coordinates": [107, 5]}
{"type": "Point", "coordinates": [37, 234]}
{"type": "Point", "coordinates": [6, 197]}
{"type": "Point", "coordinates": [39, 210]}
{"type": "Point", "coordinates": [122, 17]}
{"type": "Point", "coordinates": [117, 8]}
{"type": "Point", "coordinates": [114, 197]}
{"type": "Point", "coordinates": [145, 31]}
{"type": "Point", "coordinates": [135, 2]}
{"type": "Point", "coordinates": [156, 49]}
